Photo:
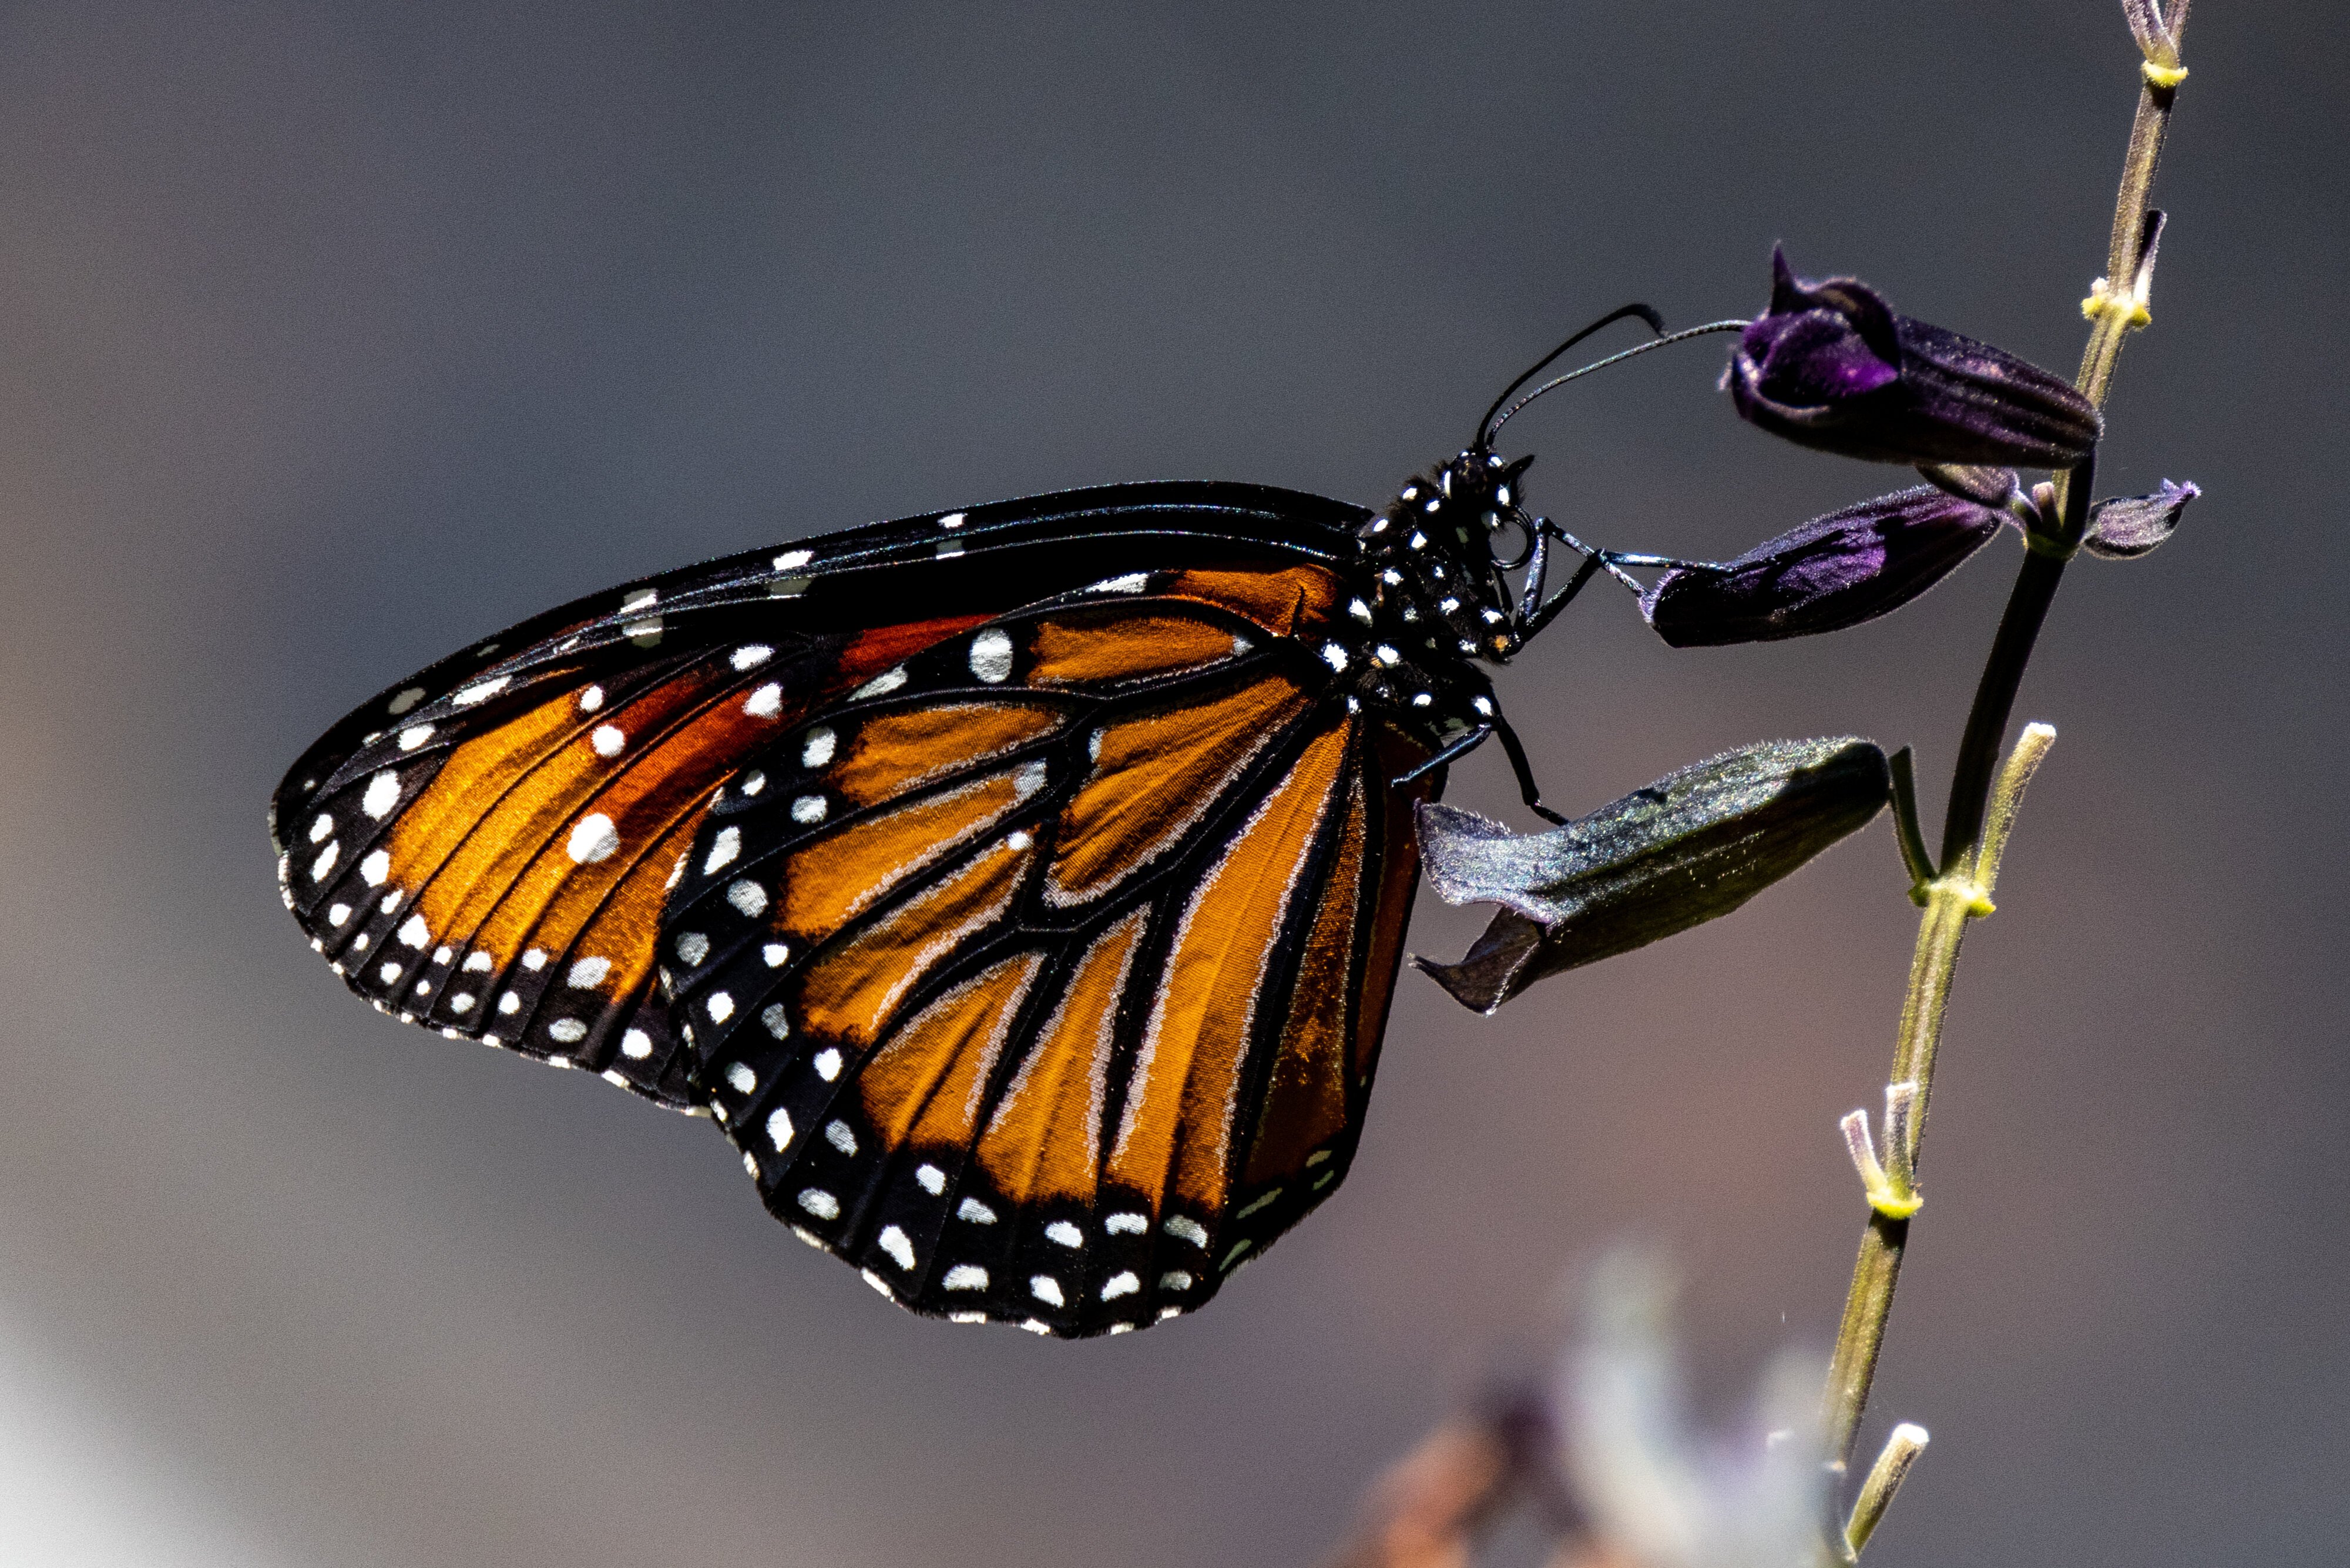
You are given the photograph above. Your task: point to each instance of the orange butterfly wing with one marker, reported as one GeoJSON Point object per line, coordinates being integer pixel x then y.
{"type": "Point", "coordinates": [1043, 979]}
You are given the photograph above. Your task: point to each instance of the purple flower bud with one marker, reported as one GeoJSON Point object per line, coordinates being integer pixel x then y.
{"type": "Point", "coordinates": [1831, 573]}
{"type": "Point", "coordinates": [1831, 366]}
{"type": "Point", "coordinates": [2126, 526]}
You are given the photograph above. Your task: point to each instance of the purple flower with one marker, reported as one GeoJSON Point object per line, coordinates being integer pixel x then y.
{"type": "Point", "coordinates": [2128, 527]}
{"type": "Point", "coordinates": [1831, 366]}
{"type": "Point", "coordinates": [1828, 574]}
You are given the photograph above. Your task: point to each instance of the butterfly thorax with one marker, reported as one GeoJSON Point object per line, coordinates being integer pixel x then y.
{"type": "Point", "coordinates": [1439, 598]}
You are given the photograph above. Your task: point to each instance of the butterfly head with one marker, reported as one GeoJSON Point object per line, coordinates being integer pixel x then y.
{"type": "Point", "coordinates": [1444, 547]}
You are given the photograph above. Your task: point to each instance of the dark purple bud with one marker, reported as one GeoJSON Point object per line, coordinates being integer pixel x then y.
{"type": "Point", "coordinates": [1831, 366]}
{"type": "Point", "coordinates": [1689, 847]}
{"type": "Point", "coordinates": [1831, 573]}
{"type": "Point", "coordinates": [2126, 526]}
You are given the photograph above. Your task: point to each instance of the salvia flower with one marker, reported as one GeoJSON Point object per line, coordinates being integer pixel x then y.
{"type": "Point", "coordinates": [1828, 574]}
{"type": "Point", "coordinates": [2128, 527]}
{"type": "Point", "coordinates": [1831, 366]}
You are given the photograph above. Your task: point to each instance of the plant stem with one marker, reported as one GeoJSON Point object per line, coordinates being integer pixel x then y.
{"type": "Point", "coordinates": [1960, 892]}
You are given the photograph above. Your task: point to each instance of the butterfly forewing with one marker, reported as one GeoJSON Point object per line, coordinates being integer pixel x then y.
{"type": "Point", "coordinates": [1039, 979]}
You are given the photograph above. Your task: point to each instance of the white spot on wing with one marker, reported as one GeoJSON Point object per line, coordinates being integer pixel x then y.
{"type": "Point", "coordinates": [966, 1277]}
{"type": "Point", "coordinates": [792, 560]}
{"type": "Point", "coordinates": [415, 736]}
{"type": "Point", "coordinates": [1127, 1224]}
{"type": "Point", "coordinates": [693, 947]}
{"type": "Point", "coordinates": [820, 1203]}
{"type": "Point", "coordinates": [325, 863]}
{"type": "Point", "coordinates": [889, 680]}
{"type": "Point", "coordinates": [723, 850]}
{"type": "Point", "coordinates": [592, 839]}
{"type": "Point", "coordinates": [807, 811]}
{"type": "Point", "coordinates": [1029, 778]}
{"type": "Point", "coordinates": [721, 1007]}
{"type": "Point", "coordinates": [840, 1137]}
{"type": "Point", "coordinates": [893, 1241]}
{"type": "Point", "coordinates": [636, 1044]}
{"type": "Point", "coordinates": [1047, 1289]}
{"type": "Point", "coordinates": [817, 750]}
{"type": "Point", "coordinates": [740, 1079]}
{"type": "Point", "coordinates": [322, 828]}
{"type": "Point", "coordinates": [339, 914]}
{"type": "Point", "coordinates": [779, 1132]}
{"type": "Point", "coordinates": [591, 699]}
{"type": "Point", "coordinates": [776, 954]}
{"type": "Point", "coordinates": [569, 1031]}
{"type": "Point", "coordinates": [482, 692]}
{"type": "Point", "coordinates": [827, 1063]}
{"type": "Point", "coordinates": [375, 867]}
{"type": "Point", "coordinates": [1065, 1234]}
{"type": "Point", "coordinates": [1132, 583]}
{"type": "Point", "coordinates": [404, 701]}
{"type": "Point", "coordinates": [608, 740]}
{"type": "Point", "coordinates": [479, 963]}
{"type": "Point", "coordinates": [972, 1210]}
{"type": "Point", "coordinates": [991, 655]}
{"type": "Point", "coordinates": [765, 703]}
{"type": "Point", "coordinates": [382, 795]}
{"type": "Point", "coordinates": [778, 1021]}
{"type": "Point", "coordinates": [930, 1179]}
{"type": "Point", "coordinates": [747, 896]}
{"type": "Point", "coordinates": [1174, 1280]}
{"type": "Point", "coordinates": [414, 933]}
{"type": "Point", "coordinates": [1186, 1229]}
{"type": "Point", "coordinates": [587, 973]}
{"type": "Point", "coordinates": [751, 654]}
{"type": "Point", "coordinates": [1123, 1284]}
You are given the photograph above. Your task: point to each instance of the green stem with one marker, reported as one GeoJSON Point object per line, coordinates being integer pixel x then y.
{"type": "Point", "coordinates": [1961, 889]}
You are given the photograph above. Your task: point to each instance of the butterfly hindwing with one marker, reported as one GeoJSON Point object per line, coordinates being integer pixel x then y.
{"type": "Point", "coordinates": [1043, 978]}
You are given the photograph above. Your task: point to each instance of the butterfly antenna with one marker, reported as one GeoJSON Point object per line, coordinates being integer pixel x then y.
{"type": "Point", "coordinates": [1493, 426]}
{"type": "Point", "coordinates": [1485, 427]}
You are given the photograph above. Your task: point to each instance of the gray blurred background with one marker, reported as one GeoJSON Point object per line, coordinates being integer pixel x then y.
{"type": "Point", "coordinates": [333, 338]}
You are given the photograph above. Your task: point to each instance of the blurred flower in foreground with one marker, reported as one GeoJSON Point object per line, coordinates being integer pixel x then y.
{"type": "Point", "coordinates": [1652, 1489]}
{"type": "Point", "coordinates": [1830, 573]}
{"type": "Point", "coordinates": [2128, 527]}
{"type": "Point", "coordinates": [1831, 366]}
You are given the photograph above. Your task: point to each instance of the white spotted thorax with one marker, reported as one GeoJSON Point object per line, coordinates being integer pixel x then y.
{"type": "Point", "coordinates": [1440, 596]}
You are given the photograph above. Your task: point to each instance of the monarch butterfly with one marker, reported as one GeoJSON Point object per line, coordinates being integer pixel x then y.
{"type": "Point", "coordinates": [1020, 888]}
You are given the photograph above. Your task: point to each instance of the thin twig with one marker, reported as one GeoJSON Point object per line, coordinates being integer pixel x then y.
{"type": "Point", "coordinates": [1960, 892]}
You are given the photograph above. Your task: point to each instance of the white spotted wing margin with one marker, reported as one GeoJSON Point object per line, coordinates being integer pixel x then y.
{"type": "Point", "coordinates": [1009, 1091]}
{"type": "Point", "coordinates": [459, 929]}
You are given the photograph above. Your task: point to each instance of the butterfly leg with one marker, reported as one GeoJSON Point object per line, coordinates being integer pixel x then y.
{"type": "Point", "coordinates": [1516, 752]}
{"type": "Point", "coordinates": [1469, 742]}
{"type": "Point", "coordinates": [1533, 617]}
